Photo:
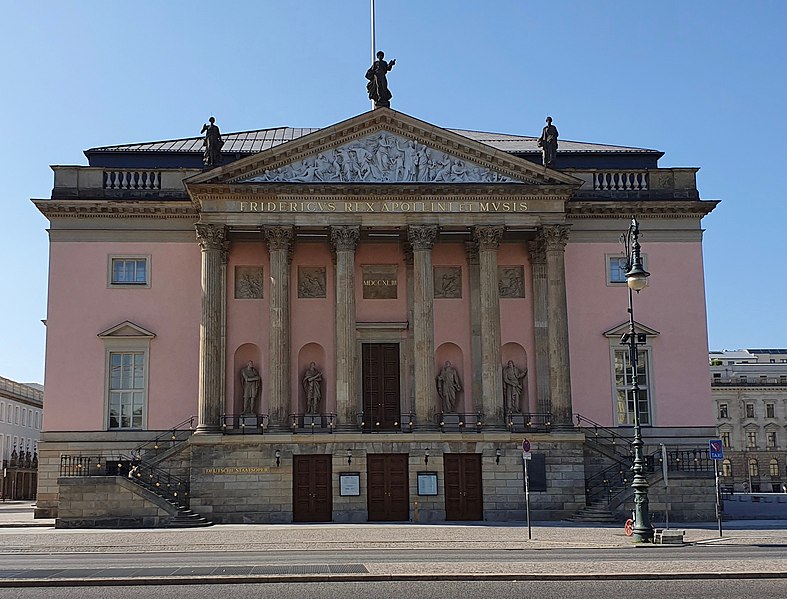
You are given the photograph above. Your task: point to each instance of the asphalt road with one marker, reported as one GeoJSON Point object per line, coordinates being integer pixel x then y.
{"type": "Point", "coordinates": [685, 589]}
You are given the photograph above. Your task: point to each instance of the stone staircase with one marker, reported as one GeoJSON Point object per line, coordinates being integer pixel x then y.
{"type": "Point", "coordinates": [188, 519]}
{"type": "Point", "coordinates": [595, 513]}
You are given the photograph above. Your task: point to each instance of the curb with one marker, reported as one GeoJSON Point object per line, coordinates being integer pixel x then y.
{"type": "Point", "coordinates": [522, 577]}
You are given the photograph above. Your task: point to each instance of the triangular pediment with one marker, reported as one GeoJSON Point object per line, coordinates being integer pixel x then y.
{"type": "Point", "coordinates": [126, 330]}
{"type": "Point", "coordinates": [383, 146]}
{"type": "Point", "coordinates": [623, 328]}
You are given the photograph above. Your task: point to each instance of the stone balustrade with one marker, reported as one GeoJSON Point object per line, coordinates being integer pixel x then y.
{"type": "Point", "coordinates": [87, 182]}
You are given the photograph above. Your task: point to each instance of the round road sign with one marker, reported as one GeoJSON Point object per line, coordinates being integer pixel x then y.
{"type": "Point", "coordinates": [525, 445]}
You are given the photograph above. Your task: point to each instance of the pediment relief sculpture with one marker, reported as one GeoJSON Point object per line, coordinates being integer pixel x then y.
{"type": "Point", "coordinates": [382, 157]}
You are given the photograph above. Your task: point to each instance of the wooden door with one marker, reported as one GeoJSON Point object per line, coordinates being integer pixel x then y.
{"type": "Point", "coordinates": [381, 408]}
{"type": "Point", "coordinates": [312, 495]}
{"type": "Point", "coordinates": [387, 487]}
{"type": "Point", "coordinates": [464, 498]}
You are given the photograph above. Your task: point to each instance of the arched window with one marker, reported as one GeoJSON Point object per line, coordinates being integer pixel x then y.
{"type": "Point", "coordinates": [726, 468]}
{"type": "Point", "coordinates": [774, 467]}
{"type": "Point", "coordinates": [754, 469]}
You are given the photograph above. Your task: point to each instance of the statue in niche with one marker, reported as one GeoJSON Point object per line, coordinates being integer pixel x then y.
{"type": "Point", "coordinates": [448, 385]}
{"type": "Point", "coordinates": [251, 379]}
{"type": "Point", "coordinates": [212, 142]}
{"type": "Point", "coordinates": [378, 81]}
{"type": "Point", "coordinates": [548, 143]}
{"type": "Point", "coordinates": [513, 386]}
{"type": "Point", "coordinates": [312, 385]}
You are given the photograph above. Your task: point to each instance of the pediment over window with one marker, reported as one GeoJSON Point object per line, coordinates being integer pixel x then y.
{"type": "Point", "coordinates": [126, 330]}
{"type": "Point", "coordinates": [383, 146]}
{"type": "Point", "coordinates": [622, 328]}
{"type": "Point", "coordinates": [752, 426]}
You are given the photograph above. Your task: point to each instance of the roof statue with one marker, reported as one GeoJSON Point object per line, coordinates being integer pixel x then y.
{"type": "Point", "coordinates": [548, 143]}
{"type": "Point", "coordinates": [378, 81]}
{"type": "Point", "coordinates": [212, 143]}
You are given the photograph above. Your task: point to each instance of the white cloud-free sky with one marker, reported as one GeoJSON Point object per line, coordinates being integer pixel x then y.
{"type": "Point", "coordinates": [702, 81]}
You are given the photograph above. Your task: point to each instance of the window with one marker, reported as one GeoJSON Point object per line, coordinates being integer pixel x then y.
{"type": "Point", "coordinates": [725, 439]}
{"type": "Point", "coordinates": [128, 271]}
{"type": "Point", "coordinates": [754, 469]}
{"type": "Point", "coordinates": [616, 269]}
{"type": "Point", "coordinates": [726, 468]}
{"type": "Point", "coordinates": [751, 439]}
{"type": "Point", "coordinates": [717, 375]}
{"type": "Point", "coordinates": [16, 414]}
{"type": "Point", "coordinates": [749, 410]}
{"type": "Point", "coordinates": [625, 405]}
{"type": "Point", "coordinates": [783, 380]}
{"type": "Point", "coordinates": [2, 411]}
{"type": "Point", "coordinates": [742, 379]}
{"type": "Point", "coordinates": [770, 410]}
{"type": "Point", "coordinates": [126, 390]}
{"type": "Point", "coordinates": [773, 467]}
{"type": "Point", "coordinates": [723, 411]}
{"type": "Point", "coordinates": [770, 439]}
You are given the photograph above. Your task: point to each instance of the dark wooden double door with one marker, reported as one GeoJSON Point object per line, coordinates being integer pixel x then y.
{"type": "Point", "coordinates": [387, 487]}
{"type": "Point", "coordinates": [380, 367]}
{"type": "Point", "coordinates": [464, 498]}
{"type": "Point", "coordinates": [312, 495]}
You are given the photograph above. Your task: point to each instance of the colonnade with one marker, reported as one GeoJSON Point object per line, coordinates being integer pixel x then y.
{"type": "Point", "coordinates": [550, 318]}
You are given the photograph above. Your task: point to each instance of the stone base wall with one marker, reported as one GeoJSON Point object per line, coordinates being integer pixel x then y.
{"type": "Point", "coordinates": [109, 502]}
{"type": "Point", "coordinates": [690, 497]}
{"type": "Point", "coordinates": [236, 480]}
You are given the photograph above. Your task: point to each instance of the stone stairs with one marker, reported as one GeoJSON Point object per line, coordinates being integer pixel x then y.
{"type": "Point", "coordinates": [188, 519]}
{"type": "Point", "coordinates": [597, 513]}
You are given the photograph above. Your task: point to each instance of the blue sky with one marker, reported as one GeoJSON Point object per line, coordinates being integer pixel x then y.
{"type": "Point", "coordinates": [700, 80]}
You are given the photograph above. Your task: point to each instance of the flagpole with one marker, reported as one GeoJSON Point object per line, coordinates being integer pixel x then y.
{"type": "Point", "coordinates": [373, 48]}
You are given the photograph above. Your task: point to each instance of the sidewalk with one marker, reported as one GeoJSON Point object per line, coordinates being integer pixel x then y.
{"type": "Point", "coordinates": [336, 552]}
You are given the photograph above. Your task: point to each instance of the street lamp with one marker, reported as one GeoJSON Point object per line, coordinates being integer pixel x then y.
{"type": "Point", "coordinates": [636, 279]}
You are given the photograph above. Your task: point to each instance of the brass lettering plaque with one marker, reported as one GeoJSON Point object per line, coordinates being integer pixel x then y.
{"type": "Point", "coordinates": [379, 281]}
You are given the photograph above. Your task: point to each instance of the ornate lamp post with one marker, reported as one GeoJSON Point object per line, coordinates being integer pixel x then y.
{"type": "Point", "coordinates": [636, 278]}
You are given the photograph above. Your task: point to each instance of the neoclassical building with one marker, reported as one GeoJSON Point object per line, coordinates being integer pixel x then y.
{"type": "Point", "coordinates": [364, 321]}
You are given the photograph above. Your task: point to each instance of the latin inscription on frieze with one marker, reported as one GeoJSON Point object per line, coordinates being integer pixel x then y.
{"type": "Point", "coordinates": [447, 282]}
{"type": "Point", "coordinates": [379, 281]}
{"type": "Point", "coordinates": [382, 206]}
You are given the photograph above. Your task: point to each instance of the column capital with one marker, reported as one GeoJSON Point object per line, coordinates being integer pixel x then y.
{"type": "Point", "coordinates": [345, 238]}
{"type": "Point", "coordinates": [421, 237]}
{"type": "Point", "coordinates": [538, 250]}
{"type": "Point", "coordinates": [488, 237]}
{"type": "Point", "coordinates": [278, 238]}
{"type": "Point", "coordinates": [555, 236]}
{"type": "Point", "coordinates": [211, 237]}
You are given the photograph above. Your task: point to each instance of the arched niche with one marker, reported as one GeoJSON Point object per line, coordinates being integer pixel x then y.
{"type": "Point", "coordinates": [518, 355]}
{"type": "Point", "coordinates": [242, 355]}
{"type": "Point", "coordinates": [312, 352]}
{"type": "Point", "coordinates": [450, 352]}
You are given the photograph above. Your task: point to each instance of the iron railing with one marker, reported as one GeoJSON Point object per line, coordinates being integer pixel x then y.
{"type": "Point", "coordinates": [606, 437]}
{"type": "Point", "coordinates": [527, 422]}
{"type": "Point", "coordinates": [244, 424]}
{"type": "Point", "coordinates": [312, 423]}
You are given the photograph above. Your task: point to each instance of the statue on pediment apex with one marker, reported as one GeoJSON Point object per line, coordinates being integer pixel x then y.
{"type": "Point", "coordinates": [378, 81]}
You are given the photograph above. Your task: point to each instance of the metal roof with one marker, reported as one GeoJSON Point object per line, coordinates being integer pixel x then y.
{"type": "Point", "coordinates": [252, 142]}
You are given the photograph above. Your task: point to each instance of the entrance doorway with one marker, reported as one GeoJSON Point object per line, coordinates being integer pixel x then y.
{"type": "Point", "coordinates": [380, 363]}
{"type": "Point", "coordinates": [312, 495]}
{"type": "Point", "coordinates": [387, 487]}
{"type": "Point", "coordinates": [463, 491]}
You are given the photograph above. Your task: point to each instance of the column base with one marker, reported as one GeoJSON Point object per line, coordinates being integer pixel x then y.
{"type": "Point", "coordinates": [208, 429]}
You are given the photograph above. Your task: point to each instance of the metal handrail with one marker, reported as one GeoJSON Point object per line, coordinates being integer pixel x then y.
{"type": "Point", "coordinates": [172, 437]}
{"type": "Point", "coordinates": [604, 436]}
{"type": "Point", "coordinates": [313, 422]}
{"type": "Point", "coordinates": [523, 422]}
{"type": "Point", "coordinates": [244, 424]}
{"type": "Point", "coordinates": [471, 422]}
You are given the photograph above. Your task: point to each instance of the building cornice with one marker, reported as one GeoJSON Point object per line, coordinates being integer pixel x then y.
{"type": "Point", "coordinates": [642, 209]}
{"type": "Point", "coordinates": [115, 208]}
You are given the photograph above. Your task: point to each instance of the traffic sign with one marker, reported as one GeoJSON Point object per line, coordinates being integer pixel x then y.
{"type": "Point", "coordinates": [525, 446]}
{"type": "Point", "coordinates": [716, 449]}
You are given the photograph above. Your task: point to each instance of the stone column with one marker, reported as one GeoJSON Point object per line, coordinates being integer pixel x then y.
{"type": "Point", "coordinates": [279, 242]}
{"type": "Point", "coordinates": [473, 276]}
{"type": "Point", "coordinates": [421, 240]}
{"type": "Point", "coordinates": [538, 263]}
{"type": "Point", "coordinates": [488, 239]}
{"type": "Point", "coordinates": [556, 237]}
{"type": "Point", "coordinates": [344, 240]}
{"type": "Point", "coordinates": [212, 240]}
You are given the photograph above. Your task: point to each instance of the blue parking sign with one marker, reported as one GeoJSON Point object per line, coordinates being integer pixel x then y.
{"type": "Point", "coordinates": [716, 449]}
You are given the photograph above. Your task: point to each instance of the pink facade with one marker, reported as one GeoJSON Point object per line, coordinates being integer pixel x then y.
{"type": "Point", "coordinates": [671, 304]}
{"type": "Point", "coordinates": [82, 305]}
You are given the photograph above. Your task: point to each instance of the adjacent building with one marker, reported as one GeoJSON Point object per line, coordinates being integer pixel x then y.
{"type": "Point", "coordinates": [21, 412]}
{"type": "Point", "coordinates": [749, 389]}
{"type": "Point", "coordinates": [364, 320]}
